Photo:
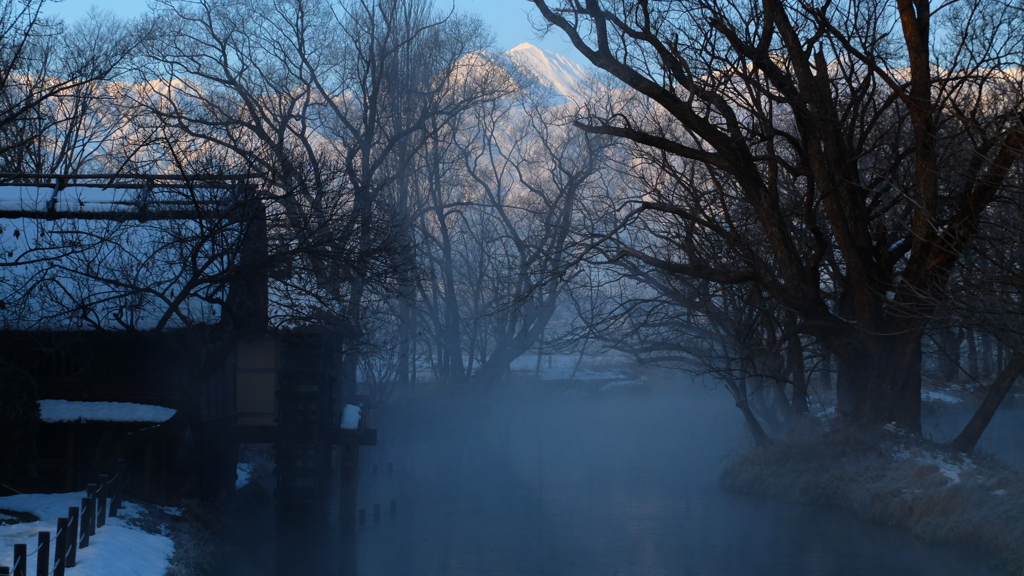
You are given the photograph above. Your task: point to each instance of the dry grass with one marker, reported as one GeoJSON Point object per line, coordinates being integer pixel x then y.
{"type": "Point", "coordinates": [194, 550]}
{"type": "Point", "coordinates": [190, 524]}
{"type": "Point", "coordinates": [11, 517]}
{"type": "Point", "coordinates": [884, 476]}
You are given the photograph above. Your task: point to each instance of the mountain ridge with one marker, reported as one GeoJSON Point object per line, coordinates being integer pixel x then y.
{"type": "Point", "coordinates": [555, 72]}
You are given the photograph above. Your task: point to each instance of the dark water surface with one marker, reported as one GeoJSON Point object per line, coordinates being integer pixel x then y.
{"type": "Point", "coordinates": [600, 485]}
{"type": "Point", "coordinates": [1003, 438]}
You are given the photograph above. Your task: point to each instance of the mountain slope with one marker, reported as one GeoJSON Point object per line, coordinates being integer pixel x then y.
{"type": "Point", "coordinates": [553, 71]}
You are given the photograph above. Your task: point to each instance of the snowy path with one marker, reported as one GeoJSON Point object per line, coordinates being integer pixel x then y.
{"type": "Point", "coordinates": [117, 549]}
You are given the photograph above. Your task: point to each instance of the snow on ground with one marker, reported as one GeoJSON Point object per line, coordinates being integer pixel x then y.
{"type": "Point", "coordinates": [117, 549]}
{"type": "Point", "coordinates": [563, 366]}
{"type": "Point", "coordinates": [172, 510]}
{"type": "Point", "coordinates": [68, 411]}
{"type": "Point", "coordinates": [243, 473]}
{"type": "Point", "coordinates": [951, 470]}
{"type": "Point", "coordinates": [937, 396]}
{"type": "Point", "coordinates": [607, 366]}
{"type": "Point", "coordinates": [616, 384]}
{"type": "Point", "coordinates": [825, 415]}
{"type": "Point", "coordinates": [350, 417]}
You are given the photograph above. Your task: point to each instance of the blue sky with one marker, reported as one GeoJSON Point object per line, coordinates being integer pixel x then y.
{"type": "Point", "coordinates": [509, 19]}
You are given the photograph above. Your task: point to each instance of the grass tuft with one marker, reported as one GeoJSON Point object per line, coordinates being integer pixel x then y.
{"type": "Point", "coordinates": [940, 495]}
{"type": "Point", "coordinates": [190, 523]}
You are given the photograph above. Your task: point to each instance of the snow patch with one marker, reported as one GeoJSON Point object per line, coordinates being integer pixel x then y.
{"type": "Point", "coordinates": [901, 454]}
{"type": "Point", "coordinates": [350, 417]}
{"type": "Point", "coordinates": [569, 367]}
{"type": "Point", "coordinates": [617, 384]}
{"type": "Point", "coordinates": [243, 473]}
{"type": "Point", "coordinates": [826, 415]}
{"type": "Point", "coordinates": [951, 470]}
{"type": "Point", "coordinates": [69, 411]}
{"type": "Point", "coordinates": [896, 245]}
{"type": "Point", "coordinates": [936, 396]}
{"type": "Point", "coordinates": [117, 549]}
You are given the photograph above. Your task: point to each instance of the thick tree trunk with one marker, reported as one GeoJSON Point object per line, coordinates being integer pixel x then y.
{"type": "Point", "coordinates": [969, 436]}
{"type": "Point", "coordinates": [797, 373]}
{"type": "Point", "coordinates": [879, 380]}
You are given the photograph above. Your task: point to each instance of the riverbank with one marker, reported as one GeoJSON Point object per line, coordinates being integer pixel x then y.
{"type": "Point", "coordinates": [886, 476]}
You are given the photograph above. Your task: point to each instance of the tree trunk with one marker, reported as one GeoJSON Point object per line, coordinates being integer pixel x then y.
{"type": "Point", "coordinates": [404, 337]}
{"type": "Point", "coordinates": [972, 432]}
{"type": "Point", "coordinates": [797, 374]}
{"type": "Point", "coordinates": [879, 380]}
{"type": "Point", "coordinates": [949, 341]}
{"type": "Point", "coordinates": [972, 354]}
{"type": "Point", "coordinates": [986, 357]}
{"type": "Point", "coordinates": [739, 393]}
{"type": "Point", "coordinates": [825, 371]}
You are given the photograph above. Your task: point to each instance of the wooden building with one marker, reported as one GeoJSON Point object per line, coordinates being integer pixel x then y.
{"type": "Point", "coordinates": [228, 378]}
{"type": "Point", "coordinates": [285, 389]}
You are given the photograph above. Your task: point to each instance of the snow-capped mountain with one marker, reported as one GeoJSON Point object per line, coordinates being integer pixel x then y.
{"type": "Point", "coordinates": [554, 71]}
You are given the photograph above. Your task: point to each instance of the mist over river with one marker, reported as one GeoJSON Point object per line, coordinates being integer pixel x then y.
{"type": "Point", "coordinates": [558, 482]}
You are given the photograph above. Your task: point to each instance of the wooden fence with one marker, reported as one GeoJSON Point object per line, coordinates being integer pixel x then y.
{"type": "Point", "coordinates": [74, 531]}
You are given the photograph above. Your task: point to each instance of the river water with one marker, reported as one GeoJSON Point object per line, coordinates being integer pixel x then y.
{"type": "Point", "coordinates": [555, 483]}
{"type": "Point", "coordinates": [605, 484]}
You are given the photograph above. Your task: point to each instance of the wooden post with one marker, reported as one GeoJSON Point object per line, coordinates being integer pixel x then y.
{"type": "Point", "coordinates": [20, 560]}
{"type": "Point", "coordinates": [69, 470]}
{"type": "Point", "coordinates": [90, 490]}
{"type": "Point", "coordinates": [119, 478]}
{"type": "Point", "coordinates": [60, 548]}
{"type": "Point", "coordinates": [147, 470]}
{"type": "Point", "coordinates": [72, 555]}
{"type": "Point", "coordinates": [101, 508]}
{"type": "Point", "coordinates": [43, 555]}
{"type": "Point", "coordinates": [83, 530]}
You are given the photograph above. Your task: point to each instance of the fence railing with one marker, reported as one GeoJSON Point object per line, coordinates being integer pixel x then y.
{"type": "Point", "coordinates": [73, 532]}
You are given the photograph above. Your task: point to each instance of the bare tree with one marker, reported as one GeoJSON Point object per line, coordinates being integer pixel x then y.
{"type": "Point", "coordinates": [806, 149]}
{"type": "Point", "coordinates": [51, 85]}
{"type": "Point", "coordinates": [987, 296]}
{"type": "Point", "coordinates": [499, 233]}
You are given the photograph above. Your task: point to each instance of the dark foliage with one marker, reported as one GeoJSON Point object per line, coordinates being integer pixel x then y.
{"type": "Point", "coordinates": [19, 424]}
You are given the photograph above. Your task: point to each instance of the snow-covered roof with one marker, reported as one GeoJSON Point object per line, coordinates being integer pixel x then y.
{"type": "Point", "coordinates": [85, 256]}
{"type": "Point", "coordinates": [71, 411]}
{"type": "Point", "coordinates": [85, 201]}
